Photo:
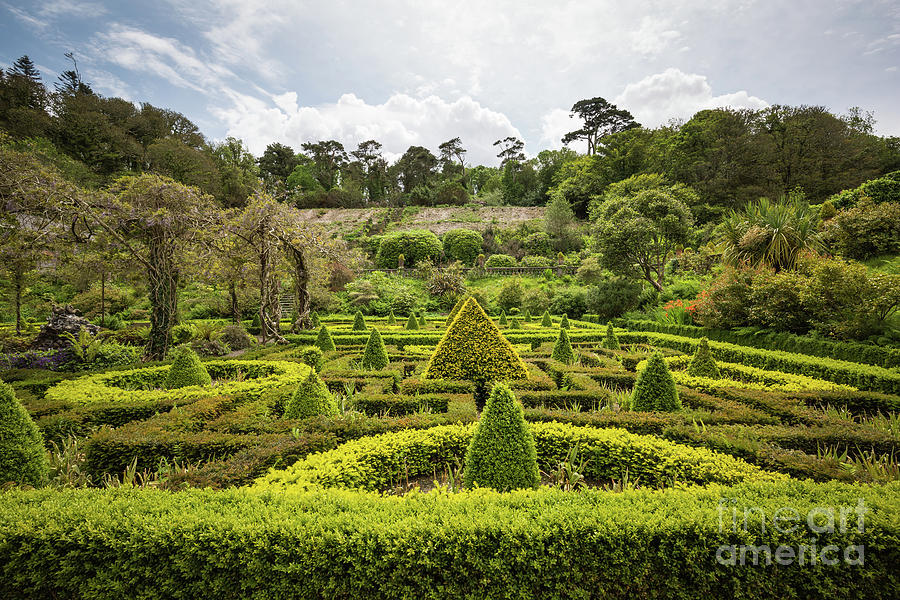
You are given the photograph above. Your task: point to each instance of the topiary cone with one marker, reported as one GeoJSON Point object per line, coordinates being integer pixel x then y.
{"type": "Point", "coordinates": [324, 340]}
{"type": "Point", "coordinates": [391, 320]}
{"type": "Point", "coordinates": [703, 364]}
{"type": "Point", "coordinates": [611, 341]}
{"type": "Point", "coordinates": [562, 350]}
{"type": "Point", "coordinates": [359, 322]}
{"type": "Point", "coordinates": [412, 324]}
{"type": "Point", "coordinates": [186, 370]}
{"type": "Point", "coordinates": [503, 320]}
{"type": "Point", "coordinates": [526, 317]}
{"type": "Point", "coordinates": [422, 321]}
{"type": "Point", "coordinates": [501, 454]}
{"type": "Point", "coordinates": [564, 322]}
{"type": "Point", "coordinates": [514, 324]}
{"type": "Point", "coordinates": [311, 398]}
{"type": "Point", "coordinates": [546, 321]}
{"type": "Point", "coordinates": [655, 388]}
{"type": "Point", "coordinates": [23, 459]}
{"type": "Point", "coordinates": [375, 357]}
{"type": "Point", "coordinates": [314, 320]}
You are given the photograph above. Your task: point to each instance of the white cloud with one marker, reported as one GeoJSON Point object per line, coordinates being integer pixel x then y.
{"type": "Point", "coordinates": [554, 125]}
{"type": "Point", "coordinates": [401, 121]}
{"type": "Point", "coordinates": [653, 36]}
{"type": "Point", "coordinates": [674, 94]}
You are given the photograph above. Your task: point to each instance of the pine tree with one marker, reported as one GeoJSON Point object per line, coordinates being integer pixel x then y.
{"type": "Point", "coordinates": [502, 453]}
{"type": "Point", "coordinates": [359, 322]}
{"type": "Point", "coordinates": [324, 340]}
{"type": "Point", "coordinates": [564, 322]}
{"type": "Point", "coordinates": [186, 370]}
{"type": "Point", "coordinates": [655, 389]}
{"type": "Point", "coordinates": [412, 324]}
{"type": "Point", "coordinates": [703, 364]}
{"type": "Point", "coordinates": [311, 398]}
{"type": "Point", "coordinates": [546, 321]}
{"type": "Point", "coordinates": [562, 350]}
{"type": "Point", "coordinates": [375, 357]}
{"type": "Point", "coordinates": [23, 459]}
{"type": "Point", "coordinates": [611, 341]}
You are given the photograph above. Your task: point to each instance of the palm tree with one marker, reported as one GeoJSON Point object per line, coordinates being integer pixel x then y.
{"type": "Point", "coordinates": [767, 233]}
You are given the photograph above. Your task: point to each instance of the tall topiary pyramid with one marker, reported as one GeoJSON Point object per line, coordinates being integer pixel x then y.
{"type": "Point", "coordinates": [412, 324]}
{"type": "Point", "coordinates": [391, 320]}
{"type": "Point", "coordinates": [324, 341]}
{"type": "Point", "coordinates": [311, 398]}
{"type": "Point", "coordinates": [611, 341]}
{"type": "Point", "coordinates": [564, 322]}
{"type": "Point", "coordinates": [655, 388]}
{"type": "Point", "coordinates": [375, 357]}
{"type": "Point", "coordinates": [546, 321]}
{"type": "Point", "coordinates": [186, 370]}
{"type": "Point", "coordinates": [501, 454]}
{"type": "Point", "coordinates": [422, 321]}
{"type": "Point", "coordinates": [562, 350]}
{"type": "Point", "coordinates": [526, 316]}
{"type": "Point", "coordinates": [473, 349]}
{"type": "Point", "coordinates": [514, 323]}
{"type": "Point", "coordinates": [314, 319]}
{"type": "Point", "coordinates": [703, 364]}
{"type": "Point", "coordinates": [22, 456]}
{"type": "Point", "coordinates": [503, 320]}
{"type": "Point", "coordinates": [359, 322]}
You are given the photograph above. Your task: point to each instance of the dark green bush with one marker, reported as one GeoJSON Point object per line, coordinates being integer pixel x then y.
{"type": "Point", "coordinates": [186, 370]}
{"type": "Point", "coordinates": [311, 356]}
{"type": "Point", "coordinates": [611, 341]}
{"type": "Point", "coordinates": [463, 245]}
{"type": "Point", "coordinates": [311, 398]}
{"type": "Point", "coordinates": [324, 340]}
{"type": "Point", "coordinates": [501, 454]}
{"type": "Point", "coordinates": [654, 389]}
{"type": "Point", "coordinates": [613, 297]}
{"type": "Point", "coordinates": [412, 324]}
{"type": "Point", "coordinates": [500, 260]}
{"type": "Point", "coordinates": [546, 321]}
{"type": "Point", "coordinates": [236, 337]}
{"type": "Point", "coordinates": [375, 356]}
{"type": "Point", "coordinates": [359, 322]}
{"type": "Point", "coordinates": [562, 350]}
{"type": "Point", "coordinates": [564, 322]}
{"type": "Point", "coordinates": [22, 456]}
{"type": "Point", "coordinates": [414, 244]}
{"type": "Point", "coordinates": [703, 364]}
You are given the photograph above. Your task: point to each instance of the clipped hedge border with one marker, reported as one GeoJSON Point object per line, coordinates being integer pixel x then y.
{"type": "Point", "coordinates": [375, 463]}
{"type": "Point", "coordinates": [863, 377]}
{"type": "Point", "coordinates": [547, 544]}
{"type": "Point", "coordinates": [111, 386]}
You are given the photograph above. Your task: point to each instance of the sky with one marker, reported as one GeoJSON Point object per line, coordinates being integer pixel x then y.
{"type": "Point", "coordinates": [421, 72]}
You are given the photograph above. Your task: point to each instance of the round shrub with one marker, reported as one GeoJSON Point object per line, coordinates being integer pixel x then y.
{"type": "Point", "coordinates": [501, 454]}
{"type": "Point", "coordinates": [463, 245]}
{"type": "Point", "coordinates": [654, 389]}
{"type": "Point", "coordinates": [311, 398]}
{"type": "Point", "coordinates": [562, 350]}
{"type": "Point", "coordinates": [510, 294]}
{"type": "Point", "coordinates": [378, 462]}
{"type": "Point", "coordinates": [311, 356]}
{"type": "Point", "coordinates": [186, 370]}
{"type": "Point", "coordinates": [500, 260]}
{"type": "Point", "coordinates": [183, 333]}
{"type": "Point", "coordinates": [414, 244]}
{"type": "Point", "coordinates": [536, 261]}
{"type": "Point", "coordinates": [535, 301]}
{"type": "Point", "coordinates": [22, 456]}
{"type": "Point", "coordinates": [538, 244]}
{"type": "Point", "coordinates": [236, 337]}
{"type": "Point", "coordinates": [703, 364]}
{"type": "Point", "coordinates": [324, 340]}
{"type": "Point", "coordinates": [375, 356]}
{"type": "Point", "coordinates": [247, 377]}
{"type": "Point", "coordinates": [612, 298]}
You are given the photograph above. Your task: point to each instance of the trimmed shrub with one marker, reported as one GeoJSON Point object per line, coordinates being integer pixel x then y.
{"type": "Point", "coordinates": [375, 357]}
{"type": "Point", "coordinates": [510, 294]}
{"type": "Point", "coordinates": [500, 260]}
{"type": "Point", "coordinates": [187, 370]}
{"type": "Point", "coordinates": [501, 454]}
{"type": "Point", "coordinates": [22, 456]}
{"type": "Point", "coordinates": [526, 316]}
{"type": "Point", "coordinates": [391, 319]}
{"type": "Point", "coordinates": [546, 321]}
{"type": "Point", "coordinates": [514, 323]}
{"type": "Point", "coordinates": [611, 341]}
{"type": "Point", "coordinates": [562, 350]}
{"type": "Point", "coordinates": [654, 389]}
{"type": "Point", "coordinates": [703, 364]}
{"type": "Point", "coordinates": [311, 356]}
{"type": "Point", "coordinates": [422, 321]}
{"type": "Point", "coordinates": [324, 340]}
{"type": "Point", "coordinates": [236, 337]}
{"type": "Point", "coordinates": [314, 319]}
{"type": "Point", "coordinates": [359, 322]}
{"type": "Point", "coordinates": [564, 322]}
{"type": "Point", "coordinates": [473, 349]}
{"type": "Point", "coordinates": [503, 320]}
{"type": "Point", "coordinates": [414, 245]}
{"type": "Point", "coordinates": [463, 245]}
{"type": "Point", "coordinates": [412, 324]}
{"type": "Point", "coordinates": [311, 398]}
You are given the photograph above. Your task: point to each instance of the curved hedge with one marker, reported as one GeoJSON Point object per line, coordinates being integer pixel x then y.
{"type": "Point", "coordinates": [377, 462]}
{"type": "Point", "coordinates": [414, 244]}
{"type": "Point", "coordinates": [146, 384]}
{"type": "Point", "coordinates": [463, 245]}
{"type": "Point", "coordinates": [549, 544]}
